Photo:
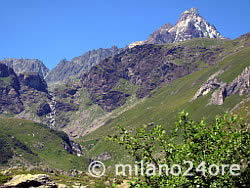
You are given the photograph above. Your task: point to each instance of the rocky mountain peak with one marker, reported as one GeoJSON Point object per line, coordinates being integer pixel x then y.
{"type": "Point", "coordinates": [190, 25]}
{"type": "Point", "coordinates": [190, 14]}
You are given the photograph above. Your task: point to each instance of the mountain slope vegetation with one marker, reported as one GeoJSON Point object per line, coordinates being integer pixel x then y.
{"type": "Point", "coordinates": [25, 143]}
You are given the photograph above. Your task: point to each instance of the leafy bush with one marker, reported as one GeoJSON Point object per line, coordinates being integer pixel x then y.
{"type": "Point", "coordinates": [226, 141]}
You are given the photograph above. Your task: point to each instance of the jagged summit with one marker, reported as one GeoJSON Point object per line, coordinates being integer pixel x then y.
{"type": "Point", "coordinates": [190, 25]}
{"type": "Point", "coordinates": [193, 11]}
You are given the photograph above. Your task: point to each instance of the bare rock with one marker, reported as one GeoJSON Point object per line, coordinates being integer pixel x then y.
{"type": "Point", "coordinates": [190, 25]}
{"type": "Point", "coordinates": [66, 69]}
{"type": "Point", "coordinates": [29, 180]}
{"type": "Point", "coordinates": [210, 84]}
{"type": "Point", "coordinates": [240, 84]}
{"type": "Point", "coordinates": [104, 156]}
{"type": "Point", "coordinates": [218, 96]}
{"type": "Point", "coordinates": [26, 65]}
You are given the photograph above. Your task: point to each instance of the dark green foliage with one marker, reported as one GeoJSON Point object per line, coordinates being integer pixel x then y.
{"type": "Point", "coordinates": [5, 151]}
{"type": "Point", "coordinates": [4, 179]}
{"type": "Point", "coordinates": [226, 141]}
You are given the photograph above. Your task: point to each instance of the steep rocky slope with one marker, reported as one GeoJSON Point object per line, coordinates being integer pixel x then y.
{"type": "Point", "coordinates": [27, 65]}
{"type": "Point", "coordinates": [66, 69]}
{"type": "Point", "coordinates": [146, 67]}
{"type": "Point", "coordinates": [26, 96]}
{"type": "Point", "coordinates": [22, 94]}
{"type": "Point", "coordinates": [190, 25]}
{"type": "Point", "coordinates": [192, 93]}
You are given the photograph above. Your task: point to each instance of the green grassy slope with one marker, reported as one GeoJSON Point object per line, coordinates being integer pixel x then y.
{"type": "Point", "coordinates": [28, 143]}
{"type": "Point", "coordinates": [165, 103]}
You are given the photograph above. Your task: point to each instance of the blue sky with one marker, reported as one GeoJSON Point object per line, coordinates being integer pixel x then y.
{"type": "Point", "coordinates": [51, 30]}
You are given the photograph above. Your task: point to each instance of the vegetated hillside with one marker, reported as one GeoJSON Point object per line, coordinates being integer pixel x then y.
{"type": "Point", "coordinates": [163, 105]}
{"type": "Point", "coordinates": [119, 82]}
{"type": "Point", "coordinates": [25, 143]}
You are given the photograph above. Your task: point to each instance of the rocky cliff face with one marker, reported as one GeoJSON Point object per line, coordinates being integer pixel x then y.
{"type": "Point", "coordinates": [26, 96]}
{"type": "Point", "coordinates": [10, 101]}
{"type": "Point", "coordinates": [34, 81]}
{"type": "Point", "coordinates": [240, 85]}
{"type": "Point", "coordinates": [27, 65]}
{"type": "Point", "coordinates": [21, 92]}
{"type": "Point", "coordinates": [66, 69]}
{"type": "Point", "coordinates": [190, 25]}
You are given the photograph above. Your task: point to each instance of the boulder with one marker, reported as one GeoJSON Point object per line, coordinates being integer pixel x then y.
{"type": "Point", "coordinates": [104, 156]}
{"type": "Point", "coordinates": [218, 96]}
{"type": "Point", "coordinates": [29, 180]}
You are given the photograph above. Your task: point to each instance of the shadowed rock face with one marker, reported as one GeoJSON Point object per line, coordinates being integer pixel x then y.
{"type": "Point", "coordinates": [66, 69]}
{"type": "Point", "coordinates": [27, 65]}
{"type": "Point", "coordinates": [43, 109]}
{"type": "Point", "coordinates": [9, 91]}
{"type": "Point", "coordinates": [33, 80]}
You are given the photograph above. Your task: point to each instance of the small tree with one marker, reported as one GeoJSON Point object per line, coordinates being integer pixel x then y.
{"type": "Point", "coordinates": [226, 141]}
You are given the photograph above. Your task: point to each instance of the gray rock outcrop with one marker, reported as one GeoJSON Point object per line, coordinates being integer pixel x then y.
{"type": "Point", "coordinates": [240, 85]}
{"type": "Point", "coordinates": [210, 84]}
{"type": "Point", "coordinates": [219, 96]}
{"type": "Point", "coordinates": [27, 65]}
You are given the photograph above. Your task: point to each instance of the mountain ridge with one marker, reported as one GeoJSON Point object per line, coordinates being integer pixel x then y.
{"type": "Point", "coordinates": [73, 68]}
{"type": "Point", "coordinates": [27, 65]}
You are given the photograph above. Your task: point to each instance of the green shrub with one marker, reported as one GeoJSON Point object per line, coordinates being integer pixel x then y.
{"type": "Point", "coordinates": [226, 141]}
